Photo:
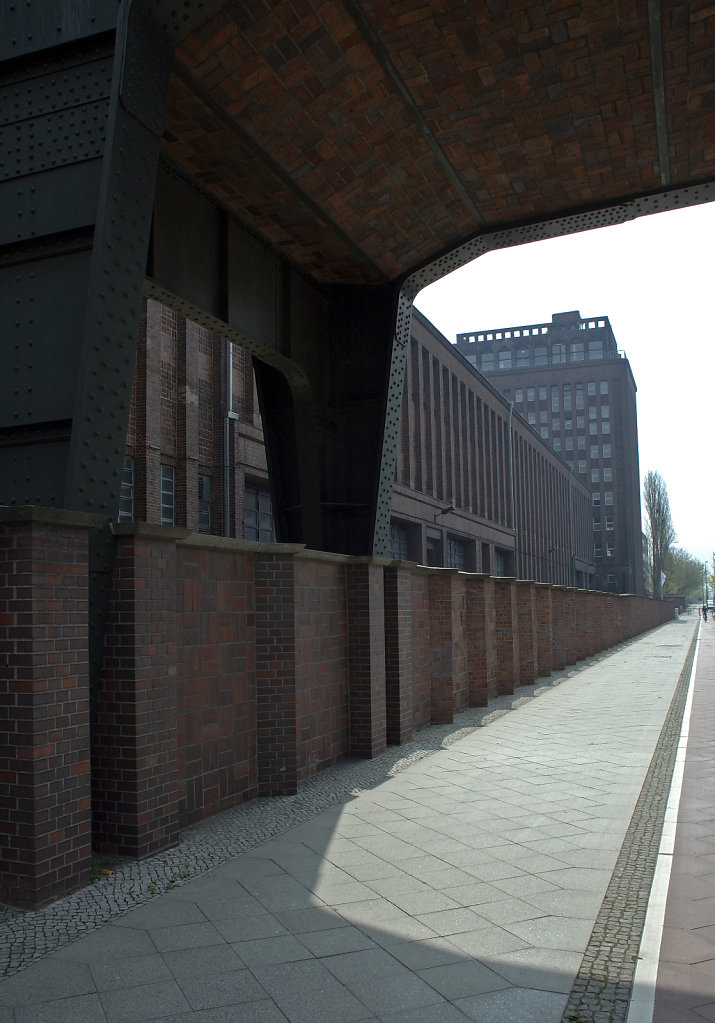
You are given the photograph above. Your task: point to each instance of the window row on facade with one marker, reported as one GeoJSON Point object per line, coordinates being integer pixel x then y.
{"type": "Point", "coordinates": [563, 396]}
{"type": "Point", "coordinates": [557, 354]}
{"type": "Point", "coordinates": [258, 521]}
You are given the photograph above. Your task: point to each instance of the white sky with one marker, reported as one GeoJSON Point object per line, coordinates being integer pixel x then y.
{"type": "Point", "coordinates": [653, 278]}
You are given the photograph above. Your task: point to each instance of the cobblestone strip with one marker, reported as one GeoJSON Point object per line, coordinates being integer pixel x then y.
{"type": "Point", "coordinates": [602, 990]}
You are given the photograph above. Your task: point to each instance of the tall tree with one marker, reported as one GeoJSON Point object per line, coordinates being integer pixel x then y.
{"type": "Point", "coordinates": [684, 574]}
{"type": "Point", "coordinates": [659, 525]}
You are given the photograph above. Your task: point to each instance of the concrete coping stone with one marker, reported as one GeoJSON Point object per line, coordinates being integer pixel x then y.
{"type": "Point", "coordinates": [50, 516]}
{"type": "Point", "coordinates": [149, 529]}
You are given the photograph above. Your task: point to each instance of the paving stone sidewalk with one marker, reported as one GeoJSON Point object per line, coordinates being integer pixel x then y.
{"type": "Point", "coordinates": [685, 990]}
{"type": "Point", "coordinates": [459, 878]}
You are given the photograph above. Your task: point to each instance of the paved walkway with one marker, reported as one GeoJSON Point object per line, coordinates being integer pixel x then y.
{"type": "Point", "coordinates": [686, 976]}
{"type": "Point", "coordinates": [504, 877]}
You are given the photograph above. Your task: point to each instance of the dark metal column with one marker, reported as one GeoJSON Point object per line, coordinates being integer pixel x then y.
{"type": "Point", "coordinates": [82, 95]}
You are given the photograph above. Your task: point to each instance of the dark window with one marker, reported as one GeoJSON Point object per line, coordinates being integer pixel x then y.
{"type": "Point", "coordinates": [456, 553]}
{"type": "Point", "coordinates": [399, 542]}
{"type": "Point", "coordinates": [258, 515]}
{"type": "Point", "coordinates": [126, 492]}
{"type": "Point", "coordinates": [167, 506]}
{"type": "Point", "coordinates": [204, 504]}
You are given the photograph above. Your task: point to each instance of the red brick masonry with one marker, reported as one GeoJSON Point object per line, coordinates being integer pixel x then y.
{"type": "Point", "coordinates": [232, 670]}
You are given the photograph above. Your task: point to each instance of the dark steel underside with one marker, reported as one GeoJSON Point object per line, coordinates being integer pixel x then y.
{"type": "Point", "coordinates": [292, 174]}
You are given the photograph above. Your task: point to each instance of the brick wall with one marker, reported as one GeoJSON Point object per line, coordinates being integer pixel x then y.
{"type": "Point", "coordinates": [135, 786]}
{"type": "Point", "coordinates": [507, 635]}
{"type": "Point", "coordinates": [421, 665]}
{"type": "Point", "coordinates": [399, 690]}
{"type": "Point", "coordinates": [45, 824]}
{"type": "Point", "coordinates": [322, 695]}
{"type": "Point", "coordinates": [366, 656]}
{"type": "Point", "coordinates": [216, 680]}
{"type": "Point", "coordinates": [480, 617]}
{"type": "Point", "coordinates": [233, 669]}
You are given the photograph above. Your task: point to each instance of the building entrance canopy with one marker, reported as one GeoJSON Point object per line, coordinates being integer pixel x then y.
{"type": "Point", "coordinates": [292, 174]}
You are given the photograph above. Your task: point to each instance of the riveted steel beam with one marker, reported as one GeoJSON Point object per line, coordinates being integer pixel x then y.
{"type": "Point", "coordinates": [83, 95]}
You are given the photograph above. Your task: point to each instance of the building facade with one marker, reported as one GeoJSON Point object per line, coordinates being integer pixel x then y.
{"type": "Point", "coordinates": [573, 386]}
{"type": "Point", "coordinates": [195, 455]}
{"type": "Point", "coordinates": [476, 487]}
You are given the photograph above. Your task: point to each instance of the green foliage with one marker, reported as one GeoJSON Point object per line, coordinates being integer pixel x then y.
{"type": "Point", "coordinates": [659, 525]}
{"type": "Point", "coordinates": [684, 574]}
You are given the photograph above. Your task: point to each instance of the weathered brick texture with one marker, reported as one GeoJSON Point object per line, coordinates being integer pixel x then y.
{"type": "Point", "coordinates": [398, 655]}
{"type": "Point", "coordinates": [442, 645]}
{"type": "Point", "coordinates": [481, 638]}
{"type": "Point", "coordinates": [322, 693]}
{"type": "Point", "coordinates": [526, 625]}
{"type": "Point", "coordinates": [216, 681]}
{"type": "Point", "coordinates": [507, 635]}
{"type": "Point", "coordinates": [421, 664]}
{"type": "Point", "coordinates": [276, 724]}
{"type": "Point", "coordinates": [134, 757]}
{"type": "Point", "coordinates": [45, 823]}
{"type": "Point", "coordinates": [366, 657]}
{"type": "Point", "coordinates": [544, 629]}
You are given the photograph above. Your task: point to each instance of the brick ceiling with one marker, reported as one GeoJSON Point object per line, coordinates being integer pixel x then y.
{"type": "Point", "coordinates": [364, 138]}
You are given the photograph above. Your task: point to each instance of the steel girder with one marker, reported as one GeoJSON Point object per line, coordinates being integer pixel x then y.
{"type": "Point", "coordinates": [83, 89]}
{"type": "Point", "coordinates": [83, 95]}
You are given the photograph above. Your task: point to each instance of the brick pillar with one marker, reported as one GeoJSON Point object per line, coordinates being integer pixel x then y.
{"type": "Point", "coordinates": [602, 617]}
{"type": "Point", "coordinates": [398, 655]}
{"type": "Point", "coordinates": [366, 656]}
{"type": "Point", "coordinates": [572, 640]}
{"type": "Point", "coordinates": [626, 608]}
{"type": "Point", "coordinates": [544, 629]}
{"type": "Point", "coordinates": [506, 632]}
{"type": "Point", "coordinates": [526, 625]}
{"type": "Point", "coordinates": [616, 619]}
{"type": "Point", "coordinates": [45, 826]}
{"type": "Point", "coordinates": [442, 645]}
{"type": "Point", "coordinates": [276, 709]}
{"type": "Point", "coordinates": [134, 756]}
{"type": "Point", "coordinates": [585, 624]}
{"type": "Point", "coordinates": [558, 627]}
{"type": "Point", "coordinates": [481, 640]}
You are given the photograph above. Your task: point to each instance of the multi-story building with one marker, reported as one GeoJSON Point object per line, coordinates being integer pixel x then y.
{"type": "Point", "coordinates": [475, 488]}
{"type": "Point", "coordinates": [571, 383]}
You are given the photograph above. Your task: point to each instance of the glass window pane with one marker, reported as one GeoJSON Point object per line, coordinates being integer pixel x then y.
{"type": "Point", "coordinates": [167, 507]}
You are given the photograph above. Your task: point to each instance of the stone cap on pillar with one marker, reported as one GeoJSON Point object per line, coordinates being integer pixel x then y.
{"type": "Point", "coordinates": [50, 516]}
